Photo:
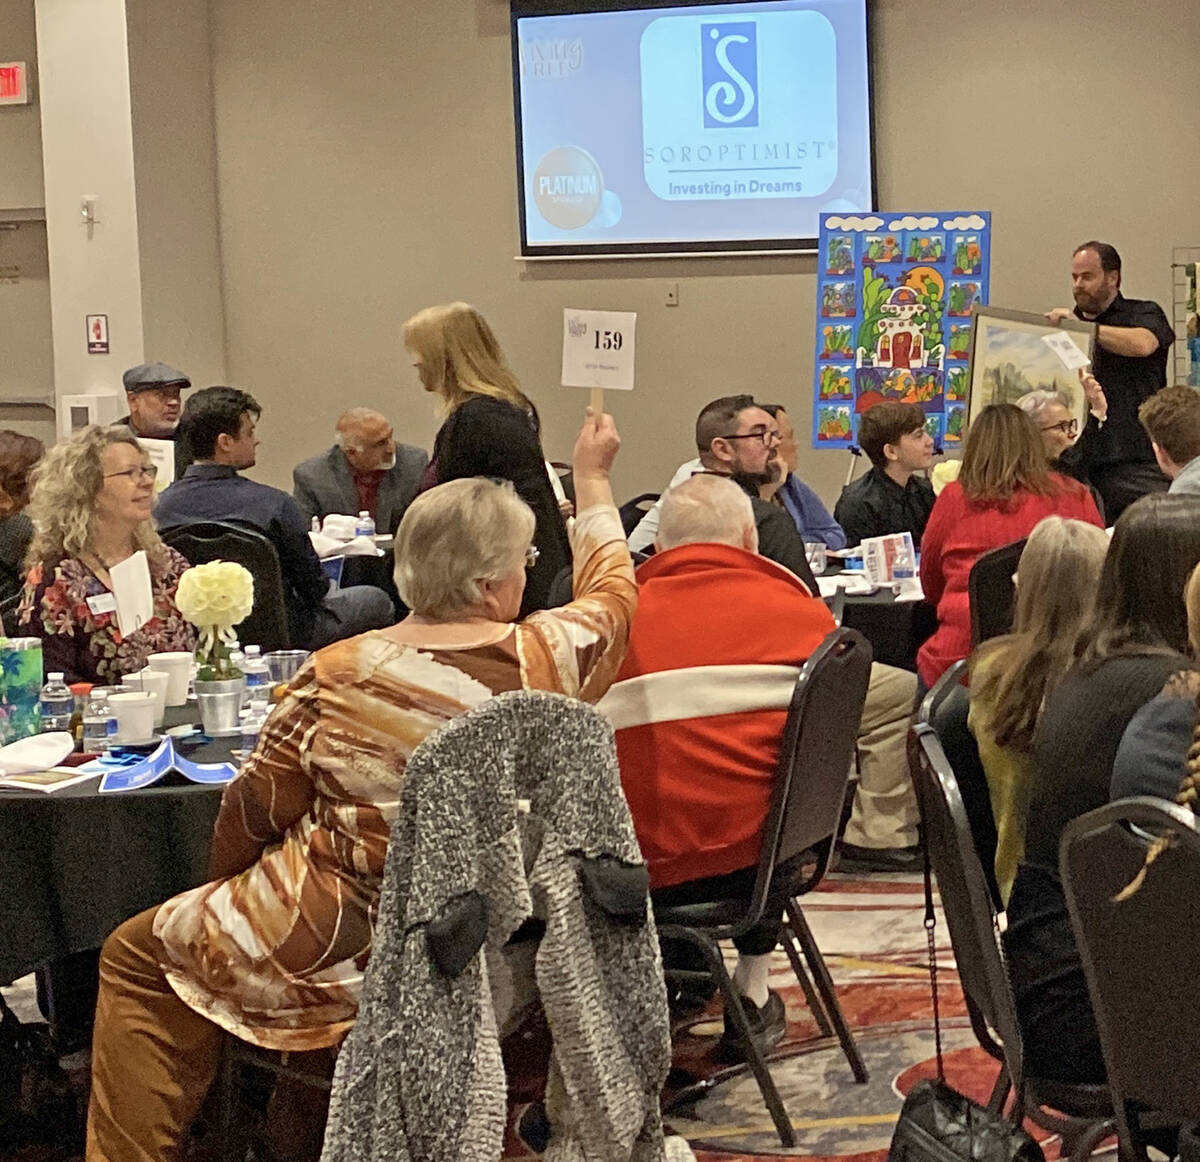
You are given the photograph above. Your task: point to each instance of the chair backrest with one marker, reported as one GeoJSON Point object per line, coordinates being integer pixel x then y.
{"type": "Point", "coordinates": [991, 591]}
{"type": "Point", "coordinates": [966, 901]}
{"type": "Point", "coordinates": [560, 592]}
{"type": "Point", "coordinates": [1140, 954]}
{"type": "Point", "coordinates": [205, 541]}
{"type": "Point", "coordinates": [945, 708]}
{"type": "Point", "coordinates": [817, 752]}
{"type": "Point", "coordinates": [633, 510]}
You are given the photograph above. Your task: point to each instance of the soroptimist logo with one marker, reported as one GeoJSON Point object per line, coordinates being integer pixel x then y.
{"type": "Point", "coordinates": [729, 56]}
{"type": "Point", "coordinates": [568, 187]}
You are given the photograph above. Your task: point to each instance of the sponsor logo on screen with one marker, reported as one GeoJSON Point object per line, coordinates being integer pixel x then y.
{"type": "Point", "coordinates": [729, 69]}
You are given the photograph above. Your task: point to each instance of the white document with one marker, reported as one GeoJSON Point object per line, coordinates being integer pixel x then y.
{"type": "Point", "coordinates": [1067, 350]}
{"type": "Point", "coordinates": [162, 456]}
{"type": "Point", "coordinates": [131, 588]}
{"type": "Point", "coordinates": [598, 349]}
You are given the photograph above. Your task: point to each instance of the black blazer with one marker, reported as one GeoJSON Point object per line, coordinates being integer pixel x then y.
{"type": "Point", "coordinates": [325, 484]}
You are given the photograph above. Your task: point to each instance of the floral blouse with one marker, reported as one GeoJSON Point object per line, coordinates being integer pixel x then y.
{"type": "Point", "coordinates": [85, 645]}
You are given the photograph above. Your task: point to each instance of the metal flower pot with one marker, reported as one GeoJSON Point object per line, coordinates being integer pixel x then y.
{"type": "Point", "coordinates": [220, 705]}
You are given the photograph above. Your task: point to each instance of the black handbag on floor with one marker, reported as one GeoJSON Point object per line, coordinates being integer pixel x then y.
{"type": "Point", "coordinates": [939, 1124]}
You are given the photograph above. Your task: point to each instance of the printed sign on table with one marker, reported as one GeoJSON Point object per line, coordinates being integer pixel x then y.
{"type": "Point", "coordinates": [894, 298]}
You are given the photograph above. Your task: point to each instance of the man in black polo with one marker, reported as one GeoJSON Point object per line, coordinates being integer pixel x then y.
{"type": "Point", "coordinates": [1133, 337]}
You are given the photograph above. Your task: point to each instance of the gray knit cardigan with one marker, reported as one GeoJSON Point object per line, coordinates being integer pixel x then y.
{"type": "Point", "coordinates": [512, 811]}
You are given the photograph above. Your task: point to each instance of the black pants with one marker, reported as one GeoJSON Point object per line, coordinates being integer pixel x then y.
{"type": "Point", "coordinates": [1121, 484]}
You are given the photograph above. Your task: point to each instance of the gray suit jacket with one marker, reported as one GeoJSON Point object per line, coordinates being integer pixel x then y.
{"type": "Point", "coordinates": [325, 484]}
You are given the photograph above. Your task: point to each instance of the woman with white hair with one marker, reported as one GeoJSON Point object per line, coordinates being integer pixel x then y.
{"type": "Point", "coordinates": [274, 949]}
{"type": "Point", "coordinates": [491, 427]}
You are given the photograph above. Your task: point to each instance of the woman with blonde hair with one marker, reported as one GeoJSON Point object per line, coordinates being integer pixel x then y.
{"type": "Point", "coordinates": [1011, 676]}
{"type": "Point", "coordinates": [1005, 487]}
{"type": "Point", "coordinates": [491, 428]}
{"type": "Point", "coordinates": [90, 507]}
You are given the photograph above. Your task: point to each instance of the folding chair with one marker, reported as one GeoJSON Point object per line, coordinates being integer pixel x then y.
{"type": "Point", "coordinates": [1081, 1113]}
{"type": "Point", "coordinates": [806, 804]}
{"type": "Point", "coordinates": [991, 592]}
{"type": "Point", "coordinates": [1139, 954]}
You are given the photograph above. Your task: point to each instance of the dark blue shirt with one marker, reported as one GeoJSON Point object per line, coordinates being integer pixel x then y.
{"type": "Point", "coordinates": [209, 492]}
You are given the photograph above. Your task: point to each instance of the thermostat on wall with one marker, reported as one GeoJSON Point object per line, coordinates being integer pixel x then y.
{"type": "Point", "coordinates": [14, 83]}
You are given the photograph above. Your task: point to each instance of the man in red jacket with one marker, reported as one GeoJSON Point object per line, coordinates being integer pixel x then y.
{"type": "Point", "coordinates": [699, 707]}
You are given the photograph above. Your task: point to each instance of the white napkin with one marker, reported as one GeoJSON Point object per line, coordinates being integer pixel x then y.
{"type": "Point", "coordinates": [326, 546]}
{"type": "Point", "coordinates": [854, 584]}
{"type": "Point", "coordinates": [339, 526]}
{"type": "Point", "coordinates": [38, 753]}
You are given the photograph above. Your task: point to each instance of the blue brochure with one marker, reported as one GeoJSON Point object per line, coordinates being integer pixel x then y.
{"type": "Point", "coordinates": [130, 772]}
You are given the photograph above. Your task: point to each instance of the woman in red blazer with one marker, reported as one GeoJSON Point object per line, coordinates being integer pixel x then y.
{"type": "Point", "coordinates": [1004, 488]}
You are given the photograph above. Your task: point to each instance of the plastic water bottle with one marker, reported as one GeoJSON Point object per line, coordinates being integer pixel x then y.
{"type": "Point", "coordinates": [99, 723]}
{"type": "Point", "coordinates": [258, 680]}
{"type": "Point", "coordinates": [252, 721]}
{"type": "Point", "coordinates": [57, 704]}
{"type": "Point", "coordinates": [364, 526]}
{"type": "Point", "coordinates": [903, 568]}
{"type": "Point", "coordinates": [315, 525]}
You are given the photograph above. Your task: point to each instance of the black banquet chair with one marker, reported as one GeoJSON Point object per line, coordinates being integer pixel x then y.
{"type": "Point", "coordinates": [991, 592]}
{"type": "Point", "coordinates": [267, 625]}
{"type": "Point", "coordinates": [1139, 955]}
{"type": "Point", "coordinates": [815, 760]}
{"type": "Point", "coordinates": [632, 511]}
{"type": "Point", "coordinates": [1081, 1113]}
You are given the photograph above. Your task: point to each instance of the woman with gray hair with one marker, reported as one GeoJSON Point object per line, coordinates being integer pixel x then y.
{"type": "Point", "coordinates": [1051, 411]}
{"type": "Point", "coordinates": [273, 950]}
{"type": "Point", "coordinates": [90, 507]}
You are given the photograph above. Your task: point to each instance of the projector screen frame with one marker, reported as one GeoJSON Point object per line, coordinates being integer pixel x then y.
{"type": "Point", "coordinates": [657, 248]}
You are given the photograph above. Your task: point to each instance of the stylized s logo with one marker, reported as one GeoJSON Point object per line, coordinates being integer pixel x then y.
{"type": "Point", "coordinates": [721, 94]}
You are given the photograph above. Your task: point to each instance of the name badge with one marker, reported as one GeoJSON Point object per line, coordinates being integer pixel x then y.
{"type": "Point", "coordinates": [102, 603]}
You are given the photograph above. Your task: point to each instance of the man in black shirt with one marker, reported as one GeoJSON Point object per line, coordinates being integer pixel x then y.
{"type": "Point", "coordinates": [892, 497]}
{"type": "Point", "coordinates": [218, 425]}
{"type": "Point", "coordinates": [1133, 337]}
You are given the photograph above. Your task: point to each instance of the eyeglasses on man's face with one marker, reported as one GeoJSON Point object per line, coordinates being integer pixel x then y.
{"type": "Point", "coordinates": [767, 436]}
{"type": "Point", "coordinates": [531, 556]}
{"type": "Point", "coordinates": [136, 473]}
{"type": "Point", "coordinates": [1067, 427]}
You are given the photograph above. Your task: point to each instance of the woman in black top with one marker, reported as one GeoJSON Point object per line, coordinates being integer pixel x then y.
{"type": "Point", "coordinates": [18, 455]}
{"type": "Point", "coordinates": [491, 427]}
{"type": "Point", "coordinates": [1135, 640]}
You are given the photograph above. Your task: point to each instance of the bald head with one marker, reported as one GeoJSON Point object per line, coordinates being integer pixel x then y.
{"type": "Point", "coordinates": [365, 436]}
{"type": "Point", "coordinates": [706, 509]}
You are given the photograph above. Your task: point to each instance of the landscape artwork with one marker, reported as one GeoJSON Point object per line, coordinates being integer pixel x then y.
{"type": "Point", "coordinates": [896, 294]}
{"type": "Point", "coordinates": [1010, 358]}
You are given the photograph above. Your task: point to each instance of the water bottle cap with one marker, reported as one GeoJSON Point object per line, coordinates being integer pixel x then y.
{"type": "Point", "coordinates": [253, 651]}
{"type": "Point", "coordinates": [363, 514]}
{"type": "Point", "coordinates": [54, 677]}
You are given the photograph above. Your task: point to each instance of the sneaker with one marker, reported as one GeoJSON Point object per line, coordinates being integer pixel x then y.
{"type": "Point", "coordinates": [767, 1026]}
{"type": "Point", "coordinates": [852, 858]}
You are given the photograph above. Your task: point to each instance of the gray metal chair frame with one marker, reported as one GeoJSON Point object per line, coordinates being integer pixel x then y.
{"type": "Point", "coordinates": [1082, 1114]}
{"type": "Point", "coordinates": [806, 804]}
{"type": "Point", "coordinates": [1139, 955]}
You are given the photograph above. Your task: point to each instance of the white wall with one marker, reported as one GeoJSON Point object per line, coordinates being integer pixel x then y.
{"type": "Point", "coordinates": [87, 148]}
{"type": "Point", "coordinates": [366, 169]}
{"type": "Point", "coordinates": [20, 132]}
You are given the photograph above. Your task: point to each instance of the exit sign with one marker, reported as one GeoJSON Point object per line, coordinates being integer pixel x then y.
{"type": "Point", "coordinates": [14, 83]}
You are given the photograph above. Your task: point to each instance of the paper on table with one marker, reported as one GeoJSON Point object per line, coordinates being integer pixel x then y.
{"type": "Point", "coordinates": [36, 753]}
{"type": "Point", "coordinates": [855, 584]}
{"type": "Point", "coordinates": [131, 588]}
{"type": "Point", "coordinates": [162, 456]}
{"type": "Point", "coordinates": [326, 546]}
{"type": "Point", "coordinates": [1067, 351]}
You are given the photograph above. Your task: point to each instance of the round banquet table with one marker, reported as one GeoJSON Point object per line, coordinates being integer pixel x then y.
{"type": "Point", "coordinates": [75, 864]}
{"type": "Point", "coordinates": [895, 629]}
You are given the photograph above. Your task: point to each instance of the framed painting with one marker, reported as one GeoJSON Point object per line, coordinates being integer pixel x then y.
{"type": "Point", "coordinates": [1010, 358]}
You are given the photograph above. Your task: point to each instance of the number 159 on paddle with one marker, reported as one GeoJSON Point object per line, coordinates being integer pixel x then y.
{"type": "Point", "coordinates": [598, 349]}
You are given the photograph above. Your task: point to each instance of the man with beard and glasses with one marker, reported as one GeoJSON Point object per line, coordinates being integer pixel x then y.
{"type": "Point", "coordinates": [365, 470]}
{"type": "Point", "coordinates": [1133, 337]}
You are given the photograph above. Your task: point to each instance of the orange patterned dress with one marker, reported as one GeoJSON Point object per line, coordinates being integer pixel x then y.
{"type": "Point", "coordinates": [274, 949]}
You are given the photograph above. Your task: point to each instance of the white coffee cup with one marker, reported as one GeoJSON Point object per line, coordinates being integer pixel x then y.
{"type": "Point", "coordinates": [153, 682]}
{"type": "Point", "coordinates": [134, 710]}
{"type": "Point", "coordinates": [177, 665]}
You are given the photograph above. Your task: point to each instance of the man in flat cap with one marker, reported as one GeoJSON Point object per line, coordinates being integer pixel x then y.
{"type": "Point", "coordinates": [152, 391]}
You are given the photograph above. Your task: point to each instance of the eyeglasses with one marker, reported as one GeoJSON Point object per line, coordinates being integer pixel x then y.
{"type": "Point", "coordinates": [1067, 427]}
{"type": "Point", "coordinates": [150, 471]}
{"type": "Point", "coordinates": [768, 436]}
{"type": "Point", "coordinates": [531, 556]}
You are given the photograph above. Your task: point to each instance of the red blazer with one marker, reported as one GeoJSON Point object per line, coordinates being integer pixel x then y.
{"type": "Point", "coordinates": [959, 532]}
{"type": "Point", "coordinates": [700, 702]}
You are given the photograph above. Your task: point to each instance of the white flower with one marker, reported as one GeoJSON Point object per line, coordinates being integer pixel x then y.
{"type": "Point", "coordinates": [219, 594]}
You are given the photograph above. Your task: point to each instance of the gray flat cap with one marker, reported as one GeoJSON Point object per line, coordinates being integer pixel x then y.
{"type": "Point", "coordinates": [147, 376]}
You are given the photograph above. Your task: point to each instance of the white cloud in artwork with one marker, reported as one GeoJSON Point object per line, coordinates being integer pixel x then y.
{"type": "Point", "coordinates": [909, 222]}
{"type": "Point", "coordinates": [967, 222]}
{"type": "Point", "coordinates": [853, 223]}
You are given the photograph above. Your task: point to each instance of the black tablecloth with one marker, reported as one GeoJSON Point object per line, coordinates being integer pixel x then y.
{"type": "Point", "coordinates": [895, 629]}
{"type": "Point", "coordinates": [75, 864]}
{"type": "Point", "coordinates": [375, 571]}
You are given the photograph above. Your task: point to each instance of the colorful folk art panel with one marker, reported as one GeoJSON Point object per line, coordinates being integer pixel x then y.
{"type": "Point", "coordinates": [894, 298]}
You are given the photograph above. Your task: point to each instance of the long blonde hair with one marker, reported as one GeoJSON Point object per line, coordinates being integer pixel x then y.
{"type": "Point", "coordinates": [461, 353]}
{"type": "Point", "coordinates": [1059, 573]}
{"type": "Point", "coordinates": [64, 489]}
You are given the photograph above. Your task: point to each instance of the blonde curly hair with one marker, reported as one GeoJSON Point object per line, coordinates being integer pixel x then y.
{"type": "Point", "coordinates": [64, 489]}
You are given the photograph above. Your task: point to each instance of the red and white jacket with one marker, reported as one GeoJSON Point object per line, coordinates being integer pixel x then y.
{"type": "Point", "coordinates": [700, 701]}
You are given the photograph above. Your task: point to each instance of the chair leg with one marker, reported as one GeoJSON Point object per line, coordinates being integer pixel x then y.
{"type": "Point", "coordinates": [226, 1106]}
{"type": "Point", "coordinates": [735, 1013]}
{"type": "Point", "coordinates": [824, 983]}
{"type": "Point", "coordinates": [810, 994]}
{"type": "Point", "coordinates": [1091, 1137]}
{"type": "Point", "coordinates": [999, 1093]}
